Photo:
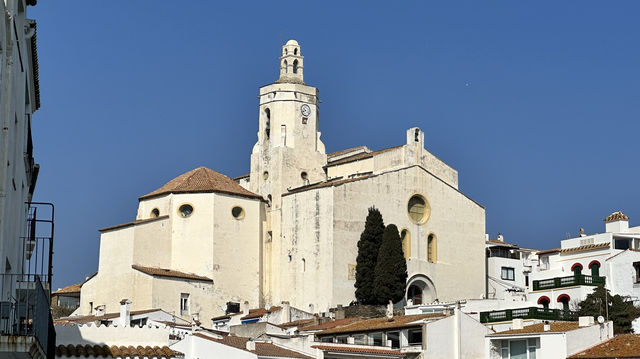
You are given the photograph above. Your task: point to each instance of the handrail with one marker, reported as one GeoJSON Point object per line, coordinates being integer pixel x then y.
{"type": "Point", "coordinates": [527, 313]}
{"type": "Point", "coordinates": [568, 281]}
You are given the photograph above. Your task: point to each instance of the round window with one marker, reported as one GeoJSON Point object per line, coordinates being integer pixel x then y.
{"type": "Point", "coordinates": [418, 209]}
{"type": "Point", "coordinates": [265, 175]}
{"type": "Point", "coordinates": [237, 212]}
{"type": "Point", "coordinates": [304, 176]}
{"type": "Point", "coordinates": [185, 210]}
{"type": "Point", "coordinates": [155, 213]}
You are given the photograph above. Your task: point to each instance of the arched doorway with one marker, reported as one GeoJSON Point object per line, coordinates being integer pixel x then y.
{"type": "Point", "coordinates": [544, 302]}
{"type": "Point", "coordinates": [420, 290]}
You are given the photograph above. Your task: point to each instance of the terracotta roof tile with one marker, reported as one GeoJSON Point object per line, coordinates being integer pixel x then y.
{"type": "Point", "coordinates": [116, 351]}
{"type": "Point", "coordinates": [298, 323]}
{"type": "Point", "coordinates": [163, 272]}
{"type": "Point", "coordinates": [331, 324]}
{"type": "Point", "coordinates": [202, 179]}
{"type": "Point", "coordinates": [587, 247]}
{"type": "Point", "coordinates": [262, 348]}
{"type": "Point", "coordinates": [620, 346]}
{"type": "Point", "coordinates": [548, 251]}
{"type": "Point", "coordinates": [402, 321]}
{"type": "Point", "coordinates": [361, 350]}
{"type": "Point", "coordinates": [93, 318]}
{"type": "Point", "coordinates": [616, 216]}
{"type": "Point", "coordinates": [73, 288]}
{"type": "Point", "coordinates": [259, 312]}
{"type": "Point", "coordinates": [501, 243]}
{"type": "Point", "coordinates": [554, 327]}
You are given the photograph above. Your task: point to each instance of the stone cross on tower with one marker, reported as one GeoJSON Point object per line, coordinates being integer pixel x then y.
{"type": "Point", "coordinates": [291, 65]}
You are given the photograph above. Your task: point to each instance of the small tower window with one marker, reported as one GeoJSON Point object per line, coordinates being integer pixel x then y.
{"type": "Point", "coordinates": [269, 200]}
{"type": "Point", "coordinates": [295, 66]}
{"type": "Point", "coordinates": [267, 127]}
{"type": "Point", "coordinates": [295, 51]}
{"type": "Point", "coordinates": [405, 237]}
{"type": "Point", "coordinates": [431, 249]}
{"type": "Point", "coordinates": [417, 136]}
{"type": "Point", "coordinates": [286, 67]}
{"type": "Point", "coordinates": [265, 175]}
{"type": "Point", "coordinates": [155, 213]}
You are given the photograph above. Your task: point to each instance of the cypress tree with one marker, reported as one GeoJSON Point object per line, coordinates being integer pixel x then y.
{"type": "Point", "coordinates": [391, 270]}
{"type": "Point", "coordinates": [368, 246]}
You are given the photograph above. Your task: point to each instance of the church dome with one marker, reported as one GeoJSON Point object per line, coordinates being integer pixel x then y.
{"type": "Point", "coordinates": [202, 180]}
{"type": "Point", "coordinates": [291, 42]}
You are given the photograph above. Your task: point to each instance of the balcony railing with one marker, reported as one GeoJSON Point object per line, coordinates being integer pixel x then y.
{"type": "Point", "coordinates": [527, 313]}
{"type": "Point", "coordinates": [569, 281]}
{"type": "Point", "coordinates": [26, 311]}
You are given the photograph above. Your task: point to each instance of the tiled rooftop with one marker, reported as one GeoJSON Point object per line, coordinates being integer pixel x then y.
{"type": "Point", "coordinates": [70, 289]}
{"type": "Point", "coordinates": [259, 312]}
{"type": "Point", "coordinates": [359, 350]}
{"type": "Point", "coordinates": [262, 348]}
{"type": "Point", "coordinates": [587, 247]}
{"type": "Point", "coordinates": [202, 179]}
{"type": "Point", "coordinates": [554, 327]}
{"type": "Point", "coordinates": [331, 324]}
{"type": "Point", "coordinates": [402, 321]}
{"type": "Point", "coordinates": [616, 216]}
{"type": "Point", "coordinates": [116, 351]}
{"type": "Point", "coordinates": [163, 272]}
{"type": "Point", "coordinates": [620, 346]}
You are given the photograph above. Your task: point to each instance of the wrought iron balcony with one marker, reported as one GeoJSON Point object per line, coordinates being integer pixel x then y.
{"type": "Point", "coordinates": [569, 281]}
{"type": "Point", "coordinates": [527, 313]}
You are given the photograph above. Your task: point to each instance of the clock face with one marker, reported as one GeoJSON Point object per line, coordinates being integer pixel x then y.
{"type": "Point", "coordinates": [305, 109]}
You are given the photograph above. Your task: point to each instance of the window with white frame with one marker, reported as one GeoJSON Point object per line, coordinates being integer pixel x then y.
{"type": "Point", "coordinates": [508, 273]}
{"type": "Point", "coordinates": [414, 336]}
{"type": "Point", "coordinates": [520, 348]}
{"type": "Point", "coordinates": [184, 303]}
{"type": "Point", "coordinates": [375, 339]}
{"type": "Point", "coordinates": [636, 267]}
{"type": "Point", "coordinates": [360, 339]}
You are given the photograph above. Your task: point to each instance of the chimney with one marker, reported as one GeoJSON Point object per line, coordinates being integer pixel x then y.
{"type": "Point", "coordinates": [585, 321]}
{"type": "Point", "coordinates": [517, 324]}
{"type": "Point", "coordinates": [286, 312]}
{"type": "Point", "coordinates": [500, 237]}
{"type": "Point", "coordinates": [100, 310]}
{"type": "Point", "coordinates": [616, 222]}
{"type": "Point", "coordinates": [251, 345]}
{"type": "Point", "coordinates": [125, 313]}
{"type": "Point", "coordinates": [546, 326]}
{"type": "Point", "coordinates": [245, 307]}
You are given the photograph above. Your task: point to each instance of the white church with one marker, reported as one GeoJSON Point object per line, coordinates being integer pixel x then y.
{"type": "Point", "coordinates": [288, 230]}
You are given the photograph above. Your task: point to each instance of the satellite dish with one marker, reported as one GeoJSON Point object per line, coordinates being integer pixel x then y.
{"type": "Point", "coordinates": [600, 319]}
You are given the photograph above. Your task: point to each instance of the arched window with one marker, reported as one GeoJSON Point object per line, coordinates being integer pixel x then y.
{"type": "Point", "coordinates": [286, 67]}
{"type": "Point", "coordinates": [295, 66]}
{"type": "Point", "coordinates": [564, 299]}
{"type": "Point", "coordinates": [595, 268]}
{"type": "Point", "coordinates": [405, 236]}
{"type": "Point", "coordinates": [295, 51]}
{"type": "Point", "coordinates": [432, 248]}
{"type": "Point", "coordinates": [544, 301]}
{"type": "Point", "coordinates": [576, 268]}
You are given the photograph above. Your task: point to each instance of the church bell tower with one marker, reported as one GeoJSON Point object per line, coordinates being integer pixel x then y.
{"type": "Point", "coordinates": [289, 153]}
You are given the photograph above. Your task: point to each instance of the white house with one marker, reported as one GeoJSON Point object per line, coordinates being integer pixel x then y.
{"type": "Point", "coordinates": [554, 340]}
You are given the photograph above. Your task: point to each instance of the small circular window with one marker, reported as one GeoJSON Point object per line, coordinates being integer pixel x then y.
{"type": "Point", "coordinates": [237, 212]}
{"type": "Point", "coordinates": [418, 209]}
{"type": "Point", "coordinates": [185, 210]}
{"type": "Point", "coordinates": [265, 175]}
{"type": "Point", "coordinates": [304, 176]}
{"type": "Point", "coordinates": [155, 213]}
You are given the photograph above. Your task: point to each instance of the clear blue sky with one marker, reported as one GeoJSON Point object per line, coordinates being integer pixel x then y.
{"type": "Point", "coordinates": [536, 104]}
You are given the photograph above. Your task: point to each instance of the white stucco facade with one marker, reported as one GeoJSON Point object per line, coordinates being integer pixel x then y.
{"type": "Point", "coordinates": [303, 211]}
